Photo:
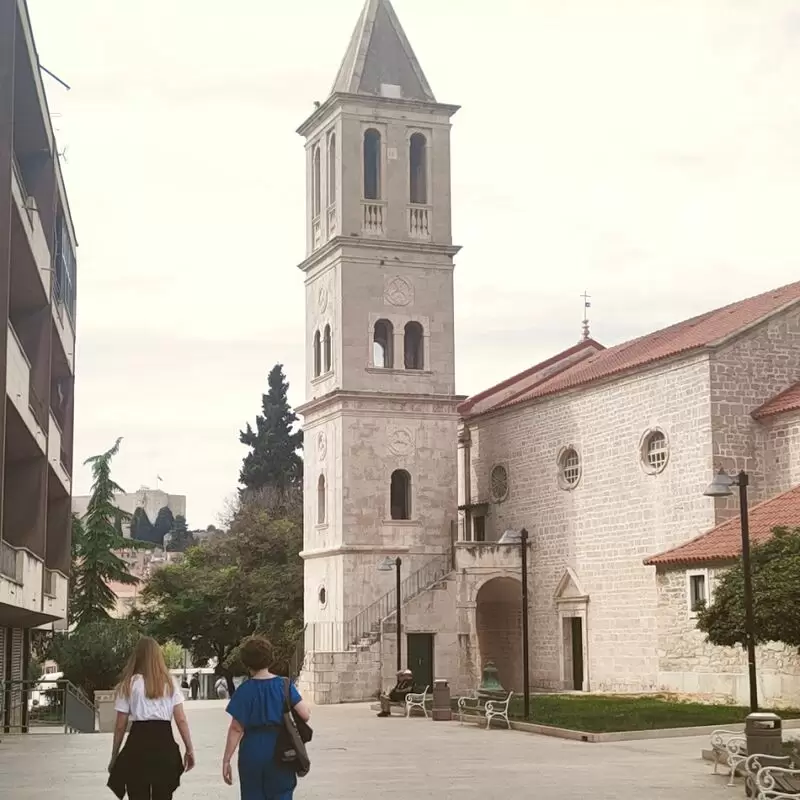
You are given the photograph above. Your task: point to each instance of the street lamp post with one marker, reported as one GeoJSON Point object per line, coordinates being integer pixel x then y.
{"type": "Point", "coordinates": [523, 543]}
{"type": "Point", "coordinates": [721, 487]}
{"type": "Point", "coordinates": [387, 565]}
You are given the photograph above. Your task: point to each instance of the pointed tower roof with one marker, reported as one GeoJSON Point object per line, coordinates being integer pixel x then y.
{"type": "Point", "coordinates": [379, 60]}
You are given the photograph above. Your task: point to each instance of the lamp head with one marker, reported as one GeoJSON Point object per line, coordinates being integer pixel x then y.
{"type": "Point", "coordinates": [387, 565]}
{"type": "Point", "coordinates": [720, 486]}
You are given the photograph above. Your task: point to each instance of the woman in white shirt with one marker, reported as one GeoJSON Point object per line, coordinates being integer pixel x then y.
{"type": "Point", "coordinates": [149, 766]}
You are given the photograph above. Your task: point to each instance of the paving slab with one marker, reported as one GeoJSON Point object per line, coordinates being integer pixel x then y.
{"type": "Point", "coordinates": [356, 755]}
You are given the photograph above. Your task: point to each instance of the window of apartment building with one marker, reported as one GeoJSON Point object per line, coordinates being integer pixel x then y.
{"type": "Point", "coordinates": [697, 584]}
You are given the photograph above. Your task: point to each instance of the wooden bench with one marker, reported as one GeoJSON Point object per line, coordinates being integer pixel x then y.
{"type": "Point", "coordinates": [777, 783]}
{"type": "Point", "coordinates": [489, 708]}
{"type": "Point", "coordinates": [730, 748]}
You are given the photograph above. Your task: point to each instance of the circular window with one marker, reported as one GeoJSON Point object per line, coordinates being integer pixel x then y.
{"type": "Point", "coordinates": [322, 595]}
{"type": "Point", "coordinates": [569, 468]}
{"type": "Point", "coordinates": [655, 451]}
{"type": "Point", "coordinates": [498, 480]}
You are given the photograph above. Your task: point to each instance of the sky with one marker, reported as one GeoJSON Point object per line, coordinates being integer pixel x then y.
{"type": "Point", "coordinates": [648, 152]}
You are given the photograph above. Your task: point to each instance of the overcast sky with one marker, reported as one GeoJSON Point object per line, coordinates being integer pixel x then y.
{"type": "Point", "coordinates": [645, 150]}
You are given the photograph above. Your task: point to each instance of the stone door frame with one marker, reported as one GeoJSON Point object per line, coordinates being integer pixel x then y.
{"type": "Point", "coordinates": [572, 601]}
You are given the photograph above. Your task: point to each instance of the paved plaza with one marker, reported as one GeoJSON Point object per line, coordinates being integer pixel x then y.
{"type": "Point", "coordinates": [357, 755]}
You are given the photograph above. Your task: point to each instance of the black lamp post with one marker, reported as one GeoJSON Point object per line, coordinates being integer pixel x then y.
{"type": "Point", "coordinates": [387, 565]}
{"type": "Point", "coordinates": [523, 544]}
{"type": "Point", "coordinates": [721, 487]}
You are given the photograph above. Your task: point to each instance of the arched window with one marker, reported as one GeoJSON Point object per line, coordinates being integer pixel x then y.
{"type": "Point", "coordinates": [372, 165]}
{"type": "Point", "coordinates": [326, 349]}
{"type": "Point", "coordinates": [383, 344]}
{"type": "Point", "coordinates": [317, 355]}
{"type": "Point", "coordinates": [418, 167]}
{"type": "Point", "coordinates": [413, 342]}
{"type": "Point", "coordinates": [316, 180]}
{"type": "Point", "coordinates": [321, 500]}
{"type": "Point", "coordinates": [332, 169]}
{"type": "Point", "coordinates": [400, 499]}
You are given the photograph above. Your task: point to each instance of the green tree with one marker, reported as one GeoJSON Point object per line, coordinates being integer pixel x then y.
{"type": "Point", "coordinates": [249, 580]}
{"type": "Point", "coordinates": [93, 655]}
{"type": "Point", "coordinates": [180, 538]}
{"type": "Point", "coordinates": [94, 539]}
{"type": "Point", "coordinates": [141, 528]}
{"type": "Point", "coordinates": [163, 525]}
{"type": "Point", "coordinates": [173, 654]}
{"type": "Point", "coordinates": [275, 444]}
{"type": "Point", "coordinates": [775, 570]}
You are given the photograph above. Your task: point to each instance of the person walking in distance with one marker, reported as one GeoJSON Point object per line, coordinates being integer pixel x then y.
{"type": "Point", "coordinates": [195, 686]}
{"type": "Point", "coordinates": [256, 711]}
{"type": "Point", "coordinates": [149, 766]}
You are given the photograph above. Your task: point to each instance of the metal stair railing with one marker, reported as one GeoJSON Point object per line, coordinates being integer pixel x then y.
{"type": "Point", "coordinates": [367, 623]}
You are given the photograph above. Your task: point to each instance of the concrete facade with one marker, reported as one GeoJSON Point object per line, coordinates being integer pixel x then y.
{"type": "Point", "coordinates": [151, 500]}
{"type": "Point", "coordinates": [37, 363]}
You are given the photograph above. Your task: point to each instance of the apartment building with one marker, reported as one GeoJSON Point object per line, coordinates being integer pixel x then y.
{"type": "Point", "coordinates": [37, 325]}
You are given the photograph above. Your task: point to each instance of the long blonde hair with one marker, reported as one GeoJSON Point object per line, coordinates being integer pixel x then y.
{"type": "Point", "coordinates": [147, 660]}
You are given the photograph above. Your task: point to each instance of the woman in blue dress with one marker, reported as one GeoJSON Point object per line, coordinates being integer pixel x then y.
{"type": "Point", "coordinates": [256, 711]}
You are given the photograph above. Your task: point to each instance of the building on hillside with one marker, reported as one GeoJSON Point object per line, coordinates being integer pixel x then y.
{"type": "Point", "coordinates": [602, 454]}
{"type": "Point", "coordinates": [37, 265]}
{"type": "Point", "coordinates": [150, 500]}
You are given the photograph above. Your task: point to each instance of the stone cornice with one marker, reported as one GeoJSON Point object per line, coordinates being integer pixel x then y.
{"type": "Point", "coordinates": [366, 243]}
{"type": "Point", "coordinates": [438, 404]}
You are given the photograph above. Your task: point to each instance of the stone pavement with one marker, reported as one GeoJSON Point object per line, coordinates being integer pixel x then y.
{"type": "Point", "coordinates": [356, 755]}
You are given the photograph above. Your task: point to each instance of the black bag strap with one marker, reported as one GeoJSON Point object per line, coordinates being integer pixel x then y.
{"type": "Point", "coordinates": [287, 706]}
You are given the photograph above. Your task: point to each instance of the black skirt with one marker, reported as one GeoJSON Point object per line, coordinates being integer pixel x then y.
{"type": "Point", "coordinates": [150, 756]}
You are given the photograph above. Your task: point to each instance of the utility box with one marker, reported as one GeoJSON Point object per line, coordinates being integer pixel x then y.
{"type": "Point", "coordinates": [441, 701]}
{"type": "Point", "coordinates": [763, 731]}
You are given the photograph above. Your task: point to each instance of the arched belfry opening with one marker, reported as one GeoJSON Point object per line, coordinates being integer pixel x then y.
{"type": "Point", "coordinates": [499, 623]}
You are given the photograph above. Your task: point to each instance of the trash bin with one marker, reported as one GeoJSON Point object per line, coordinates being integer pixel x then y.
{"type": "Point", "coordinates": [441, 700]}
{"type": "Point", "coordinates": [763, 731]}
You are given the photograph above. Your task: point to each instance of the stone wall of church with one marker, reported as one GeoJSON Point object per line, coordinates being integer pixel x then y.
{"type": "Point", "coordinates": [782, 452]}
{"type": "Point", "coordinates": [688, 664]}
{"type": "Point", "coordinates": [744, 374]}
{"type": "Point", "coordinates": [615, 517]}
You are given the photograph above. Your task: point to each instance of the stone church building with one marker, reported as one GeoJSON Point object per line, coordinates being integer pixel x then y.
{"type": "Point", "coordinates": [602, 454]}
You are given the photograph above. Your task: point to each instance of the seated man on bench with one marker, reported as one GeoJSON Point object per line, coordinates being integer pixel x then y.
{"type": "Point", "coordinates": [404, 685]}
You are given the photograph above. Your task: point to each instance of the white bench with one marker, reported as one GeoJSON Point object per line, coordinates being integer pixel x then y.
{"type": "Point", "coordinates": [491, 709]}
{"type": "Point", "coordinates": [729, 748]}
{"type": "Point", "coordinates": [777, 783]}
{"type": "Point", "coordinates": [417, 700]}
{"type": "Point", "coordinates": [755, 763]}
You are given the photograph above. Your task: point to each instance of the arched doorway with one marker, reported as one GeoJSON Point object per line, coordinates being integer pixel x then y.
{"type": "Point", "coordinates": [499, 624]}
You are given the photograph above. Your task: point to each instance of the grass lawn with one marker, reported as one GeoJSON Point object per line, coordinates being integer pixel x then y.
{"type": "Point", "coordinates": [607, 713]}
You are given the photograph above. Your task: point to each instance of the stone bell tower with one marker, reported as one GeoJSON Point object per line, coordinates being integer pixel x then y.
{"type": "Point", "coordinates": [380, 417]}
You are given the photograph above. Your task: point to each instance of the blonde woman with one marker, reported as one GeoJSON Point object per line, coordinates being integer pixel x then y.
{"type": "Point", "coordinates": [149, 766]}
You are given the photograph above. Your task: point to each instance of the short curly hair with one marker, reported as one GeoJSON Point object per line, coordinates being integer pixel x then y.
{"type": "Point", "coordinates": [256, 653]}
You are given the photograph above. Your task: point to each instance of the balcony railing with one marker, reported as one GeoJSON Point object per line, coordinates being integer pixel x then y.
{"type": "Point", "coordinates": [373, 216]}
{"type": "Point", "coordinates": [10, 562]}
{"type": "Point", "coordinates": [419, 222]}
{"type": "Point", "coordinates": [316, 231]}
{"type": "Point", "coordinates": [26, 198]}
{"type": "Point", "coordinates": [38, 406]}
{"type": "Point", "coordinates": [49, 581]}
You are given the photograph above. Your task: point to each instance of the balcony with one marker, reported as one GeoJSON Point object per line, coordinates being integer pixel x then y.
{"type": "Point", "coordinates": [419, 222]}
{"type": "Point", "coordinates": [373, 218]}
{"type": "Point", "coordinates": [21, 578]}
{"type": "Point", "coordinates": [487, 556]}
{"type": "Point", "coordinates": [333, 226]}
{"type": "Point", "coordinates": [316, 232]}
{"type": "Point", "coordinates": [32, 224]}
{"type": "Point", "coordinates": [56, 454]}
{"type": "Point", "coordinates": [56, 592]}
{"type": "Point", "coordinates": [63, 308]}
{"type": "Point", "coordinates": [19, 388]}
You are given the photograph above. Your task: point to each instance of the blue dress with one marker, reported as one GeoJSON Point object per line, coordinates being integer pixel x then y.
{"type": "Point", "coordinates": [257, 706]}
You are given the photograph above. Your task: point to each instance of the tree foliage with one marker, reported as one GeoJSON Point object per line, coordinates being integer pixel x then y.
{"type": "Point", "coordinates": [141, 528]}
{"type": "Point", "coordinates": [231, 586]}
{"type": "Point", "coordinates": [274, 459]}
{"type": "Point", "coordinates": [173, 654]}
{"type": "Point", "coordinates": [180, 538]}
{"type": "Point", "coordinates": [93, 655]}
{"type": "Point", "coordinates": [775, 571]}
{"type": "Point", "coordinates": [165, 520]}
{"type": "Point", "coordinates": [94, 539]}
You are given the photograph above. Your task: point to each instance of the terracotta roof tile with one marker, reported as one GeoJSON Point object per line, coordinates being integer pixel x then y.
{"type": "Point", "coordinates": [724, 542]}
{"type": "Point", "coordinates": [787, 400]}
{"type": "Point", "coordinates": [706, 330]}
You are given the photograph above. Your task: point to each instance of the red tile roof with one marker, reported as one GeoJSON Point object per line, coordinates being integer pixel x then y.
{"type": "Point", "coordinates": [585, 367]}
{"type": "Point", "coordinates": [787, 400]}
{"type": "Point", "coordinates": [724, 542]}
